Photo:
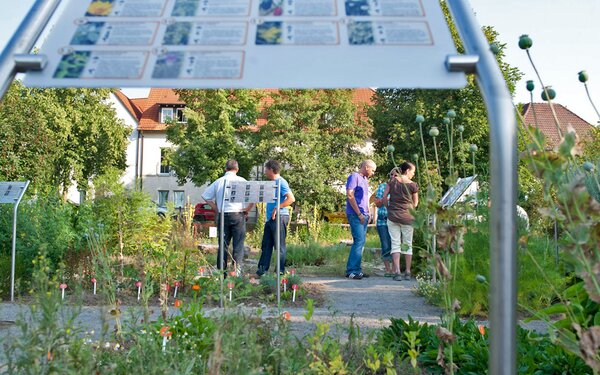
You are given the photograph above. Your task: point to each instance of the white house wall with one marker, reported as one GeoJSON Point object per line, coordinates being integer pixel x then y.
{"type": "Point", "coordinates": [122, 113]}
{"type": "Point", "coordinates": [153, 180]}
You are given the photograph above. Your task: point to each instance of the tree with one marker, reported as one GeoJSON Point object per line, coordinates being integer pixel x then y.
{"type": "Point", "coordinates": [317, 136]}
{"type": "Point", "coordinates": [56, 136]}
{"type": "Point", "coordinates": [217, 128]}
{"type": "Point", "coordinates": [395, 110]}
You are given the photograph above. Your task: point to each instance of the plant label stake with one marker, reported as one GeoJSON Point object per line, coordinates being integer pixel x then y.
{"type": "Point", "coordinates": [63, 286]}
{"type": "Point", "coordinates": [164, 332]}
{"type": "Point", "coordinates": [94, 282]}
{"type": "Point", "coordinates": [293, 271]}
{"type": "Point", "coordinates": [176, 286]}
{"type": "Point", "coordinates": [139, 287]}
{"type": "Point", "coordinates": [284, 281]}
{"type": "Point", "coordinates": [201, 269]}
{"type": "Point", "coordinates": [294, 288]}
{"type": "Point", "coordinates": [230, 286]}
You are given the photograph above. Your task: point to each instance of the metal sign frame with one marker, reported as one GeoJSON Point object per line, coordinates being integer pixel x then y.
{"type": "Point", "coordinates": [480, 61]}
{"type": "Point", "coordinates": [12, 193]}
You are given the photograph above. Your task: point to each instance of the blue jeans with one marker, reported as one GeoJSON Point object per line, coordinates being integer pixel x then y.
{"type": "Point", "coordinates": [269, 242]}
{"type": "Point", "coordinates": [359, 236]}
{"type": "Point", "coordinates": [386, 242]}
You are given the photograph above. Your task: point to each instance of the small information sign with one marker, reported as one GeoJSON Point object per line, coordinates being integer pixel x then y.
{"type": "Point", "coordinates": [11, 192]}
{"type": "Point", "coordinates": [463, 185]}
{"type": "Point", "coordinates": [249, 44]}
{"type": "Point", "coordinates": [251, 192]}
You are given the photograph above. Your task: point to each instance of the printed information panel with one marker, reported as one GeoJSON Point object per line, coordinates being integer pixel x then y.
{"type": "Point", "coordinates": [251, 191]}
{"type": "Point", "coordinates": [249, 44]}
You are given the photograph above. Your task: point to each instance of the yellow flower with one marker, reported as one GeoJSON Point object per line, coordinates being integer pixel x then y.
{"type": "Point", "coordinates": [99, 8]}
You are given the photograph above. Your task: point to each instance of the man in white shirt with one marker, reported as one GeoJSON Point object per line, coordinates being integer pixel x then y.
{"type": "Point", "coordinates": [234, 223]}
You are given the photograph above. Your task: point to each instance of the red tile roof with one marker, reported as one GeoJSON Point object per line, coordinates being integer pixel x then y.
{"type": "Point", "coordinates": [147, 109]}
{"type": "Point", "coordinates": [547, 124]}
{"type": "Point", "coordinates": [133, 109]}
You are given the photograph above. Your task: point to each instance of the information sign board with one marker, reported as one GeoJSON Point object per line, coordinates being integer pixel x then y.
{"type": "Point", "coordinates": [455, 192]}
{"type": "Point", "coordinates": [249, 44]}
{"type": "Point", "coordinates": [251, 191]}
{"type": "Point", "coordinates": [11, 192]}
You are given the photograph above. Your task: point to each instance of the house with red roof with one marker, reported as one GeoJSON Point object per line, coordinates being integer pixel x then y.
{"type": "Point", "coordinates": [539, 115]}
{"type": "Point", "coordinates": [146, 164]}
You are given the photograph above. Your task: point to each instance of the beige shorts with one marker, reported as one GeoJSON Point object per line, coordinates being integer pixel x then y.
{"type": "Point", "coordinates": [402, 236]}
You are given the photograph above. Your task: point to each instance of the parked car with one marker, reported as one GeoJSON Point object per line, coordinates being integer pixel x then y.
{"type": "Point", "coordinates": [203, 212]}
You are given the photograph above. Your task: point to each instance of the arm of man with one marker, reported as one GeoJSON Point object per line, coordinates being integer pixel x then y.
{"type": "Point", "coordinates": [209, 196]}
{"type": "Point", "coordinates": [354, 205]}
{"type": "Point", "coordinates": [289, 199]}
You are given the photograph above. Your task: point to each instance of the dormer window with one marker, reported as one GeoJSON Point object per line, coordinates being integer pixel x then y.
{"type": "Point", "coordinates": [166, 115]}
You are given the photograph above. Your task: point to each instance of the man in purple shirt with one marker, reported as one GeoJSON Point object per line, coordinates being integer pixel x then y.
{"type": "Point", "coordinates": [357, 211]}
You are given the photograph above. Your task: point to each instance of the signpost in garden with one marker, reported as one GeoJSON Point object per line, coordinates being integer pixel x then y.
{"type": "Point", "coordinates": [12, 193]}
{"type": "Point", "coordinates": [297, 44]}
{"type": "Point", "coordinates": [247, 192]}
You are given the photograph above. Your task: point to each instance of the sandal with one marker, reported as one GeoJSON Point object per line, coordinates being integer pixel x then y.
{"type": "Point", "coordinates": [389, 274]}
{"type": "Point", "coordinates": [398, 277]}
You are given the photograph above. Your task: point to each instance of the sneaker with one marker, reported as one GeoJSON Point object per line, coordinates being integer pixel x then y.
{"type": "Point", "coordinates": [363, 275]}
{"type": "Point", "coordinates": [260, 271]}
{"type": "Point", "coordinates": [398, 277]}
{"type": "Point", "coordinates": [407, 276]}
{"type": "Point", "coordinates": [355, 276]}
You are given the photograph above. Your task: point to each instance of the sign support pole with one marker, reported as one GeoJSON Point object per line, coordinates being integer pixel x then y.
{"type": "Point", "coordinates": [23, 41]}
{"type": "Point", "coordinates": [222, 249]}
{"type": "Point", "coordinates": [14, 241]}
{"type": "Point", "coordinates": [503, 187]}
{"type": "Point", "coordinates": [278, 244]}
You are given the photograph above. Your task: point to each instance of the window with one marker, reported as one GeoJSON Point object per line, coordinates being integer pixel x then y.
{"type": "Point", "coordinates": [163, 198]}
{"type": "Point", "coordinates": [178, 198]}
{"type": "Point", "coordinates": [165, 164]}
{"type": "Point", "coordinates": [180, 115]}
{"type": "Point", "coordinates": [166, 114]}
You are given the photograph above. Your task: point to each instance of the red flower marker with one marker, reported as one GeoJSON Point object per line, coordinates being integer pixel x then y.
{"type": "Point", "coordinates": [94, 282]}
{"type": "Point", "coordinates": [293, 271]}
{"type": "Point", "coordinates": [63, 286]}
{"type": "Point", "coordinates": [284, 281]}
{"type": "Point", "coordinates": [294, 288]}
{"type": "Point", "coordinates": [232, 274]}
{"type": "Point", "coordinates": [176, 286]}
{"type": "Point", "coordinates": [201, 270]}
{"type": "Point", "coordinates": [230, 285]}
{"type": "Point", "coordinates": [481, 329]}
{"type": "Point", "coordinates": [178, 303]}
{"type": "Point", "coordinates": [139, 286]}
{"type": "Point", "coordinates": [286, 315]}
{"type": "Point", "coordinates": [165, 332]}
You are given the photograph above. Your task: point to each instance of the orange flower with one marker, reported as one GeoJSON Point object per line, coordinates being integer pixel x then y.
{"type": "Point", "coordinates": [164, 331]}
{"type": "Point", "coordinates": [286, 315]}
{"type": "Point", "coordinates": [99, 8]}
{"type": "Point", "coordinates": [481, 329]}
{"type": "Point", "coordinates": [196, 287]}
{"type": "Point", "coordinates": [178, 303]}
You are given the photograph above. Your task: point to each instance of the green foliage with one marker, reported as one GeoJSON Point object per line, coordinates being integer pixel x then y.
{"type": "Point", "coordinates": [315, 135]}
{"type": "Point", "coordinates": [59, 135]}
{"type": "Point", "coordinates": [216, 130]}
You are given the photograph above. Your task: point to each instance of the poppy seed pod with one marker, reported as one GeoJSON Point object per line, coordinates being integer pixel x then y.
{"type": "Point", "coordinates": [473, 148]}
{"type": "Point", "coordinates": [551, 93]}
{"type": "Point", "coordinates": [530, 85]}
{"type": "Point", "coordinates": [460, 128]}
{"type": "Point", "coordinates": [434, 132]}
{"type": "Point", "coordinates": [445, 121]}
{"type": "Point", "coordinates": [420, 119]}
{"type": "Point", "coordinates": [391, 148]}
{"type": "Point", "coordinates": [451, 113]}
{"type": "Point", "coordinates": [525, 42]}
{"type": "Point", "coordinates": [583, 76]}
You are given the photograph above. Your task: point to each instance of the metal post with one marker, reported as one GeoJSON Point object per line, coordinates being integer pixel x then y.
{"type": "Point", "coordinates": [278, 243]}
{"type": "Point", "coordinates": [503, 160]}
{"type": "Point", "coordinates": [14, 244]}
{"type": "Point", "coordinates": [24, 39]}
{"type": "Point", "coordinates": [221, 250]}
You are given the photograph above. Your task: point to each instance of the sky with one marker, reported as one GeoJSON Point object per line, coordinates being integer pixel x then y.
{"type": "Point", "coordinates": [565, 41]}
